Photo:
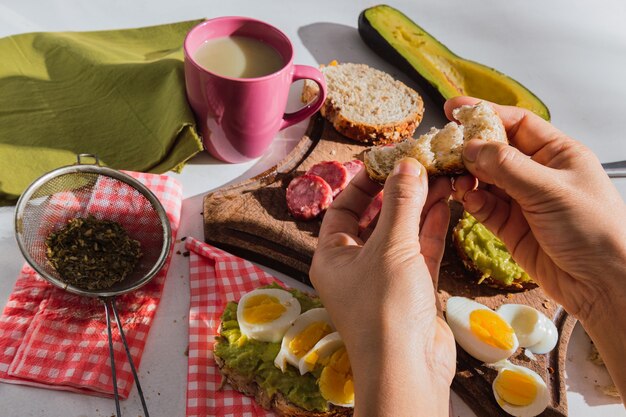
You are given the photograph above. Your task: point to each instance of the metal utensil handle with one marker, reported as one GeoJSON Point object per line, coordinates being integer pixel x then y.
{"type": "Point", "coordinates": [80, 156]}
{"type": "Point", "coordinates": [615, 169]}
{"type": "Point", "coordinates": [130, 360]}
{"type": "Point", "coordinates": [110, 303]}
{"type": "Point", "coordinates": [118, 412]}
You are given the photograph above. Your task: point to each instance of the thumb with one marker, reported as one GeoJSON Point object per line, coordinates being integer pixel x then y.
{"type": "Point", "coordinates": [505, 167]}
{"type": "Point", "coordinates": [404, 196]}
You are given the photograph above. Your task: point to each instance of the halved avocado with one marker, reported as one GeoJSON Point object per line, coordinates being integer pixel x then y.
{"type": "Point", "coordinates": [441, 72]}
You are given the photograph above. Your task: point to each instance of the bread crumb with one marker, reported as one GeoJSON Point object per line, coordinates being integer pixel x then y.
{"type": "Point", "coordinates": [594, 357]}
{"type": "Point", "coordinates": [610, 390]}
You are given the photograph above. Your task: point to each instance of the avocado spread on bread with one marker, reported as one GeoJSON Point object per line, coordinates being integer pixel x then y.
{"type": "Point", "coordinates": [255, 359]}
{"type": "Point", "coordinates": [487, 255]}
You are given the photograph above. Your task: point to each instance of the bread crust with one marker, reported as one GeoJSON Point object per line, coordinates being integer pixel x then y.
{"type": "Point", "coordinates": [379, 134]}
{"type": "Point", "coordinates": [479, 276]}
{"type": "Point", "coordinates": [450, 169]}
{"type": "Point", "coordinates": [276, 403]}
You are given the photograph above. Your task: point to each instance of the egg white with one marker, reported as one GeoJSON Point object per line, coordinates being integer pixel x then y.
{"type": "Point", "coordinates": [286, 355]}
{"type": "Point", "coordinates": [322, 349]}
{"type": "Point", "coordinates": [458, 312]}
{"type": "Point", "coordinates": [542, 399]}
{"type": "Point", "coordinates": [534, 330]}
{"type": "Point", "coordinates": [274, 330]}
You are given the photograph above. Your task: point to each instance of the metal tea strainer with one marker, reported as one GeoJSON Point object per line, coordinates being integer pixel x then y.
{"type": "Point", "coordinates": [87, 189]}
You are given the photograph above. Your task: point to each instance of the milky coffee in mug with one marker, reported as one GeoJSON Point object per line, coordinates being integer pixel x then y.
{"type": "Point", "coordinates": [238, 57]}
{"type": "Point", "coordinates": [237, 76]}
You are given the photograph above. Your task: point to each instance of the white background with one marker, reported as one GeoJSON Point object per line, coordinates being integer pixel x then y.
{"type": "Point", "coordinates": [571, 54]}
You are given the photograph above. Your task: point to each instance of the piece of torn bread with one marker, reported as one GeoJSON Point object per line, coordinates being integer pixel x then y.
{"type": "Point", "coordinates": [439, 150]}
{"type": "Point", "coordinates": [367, 105]}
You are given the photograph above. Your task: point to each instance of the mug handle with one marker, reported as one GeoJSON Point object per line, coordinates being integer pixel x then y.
{"type": "Point", "coordinates": [301, 72]}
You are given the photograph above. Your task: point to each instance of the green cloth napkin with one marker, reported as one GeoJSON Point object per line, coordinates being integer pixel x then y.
{"type": "Point", "coordinates": [119, 94]}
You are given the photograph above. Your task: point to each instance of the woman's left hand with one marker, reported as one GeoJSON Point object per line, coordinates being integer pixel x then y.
{"type": "Point", "coordinates": [380, 293]}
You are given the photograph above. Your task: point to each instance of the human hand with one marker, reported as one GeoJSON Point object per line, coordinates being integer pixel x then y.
{"type": "Point", "coordinates": [557, 211]}
{"type": "Point", "coordinates": [548, 199]}
{"type": "Point", "coordinates": [380, 292]}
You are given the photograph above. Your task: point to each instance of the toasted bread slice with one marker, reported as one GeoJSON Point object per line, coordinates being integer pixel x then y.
{"type": "Point", "coordinates": [276, 402]}
{"type": "Point", "coordinates": [367, 105]}
{"type": "Point", "coordinates": [439, 150]}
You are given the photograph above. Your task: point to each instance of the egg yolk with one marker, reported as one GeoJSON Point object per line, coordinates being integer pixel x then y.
{"type": "Point", "coordinates": [516, 388]}
{"type": "Point", "coordinates": [336, 381]}
{"type": "Point", "coordinates": [262, 308]}
{"type": "Point", "coordinates": [306, 339]}
{"type": "Point", "coordinates": [490, 328]}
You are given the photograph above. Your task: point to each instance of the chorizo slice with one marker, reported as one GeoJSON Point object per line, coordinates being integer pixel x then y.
{"type": "Point", "coordinates": [333, 172]}
{"type": "Point", "coordinates": [308, 196]}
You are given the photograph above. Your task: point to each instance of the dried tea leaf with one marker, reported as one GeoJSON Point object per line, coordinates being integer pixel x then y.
{"type": "Point", "coordinates": [92, 254]}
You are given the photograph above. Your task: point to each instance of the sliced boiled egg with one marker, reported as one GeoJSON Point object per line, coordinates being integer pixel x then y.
{"type": "Point", "coordinates": [480, 331]}
{"type": "Point", "coordinates": [534, 330]}
{"type": "Point", "coordinates": [336, 381]}
{"type": "Point", "coordinates": [266, 314]}
{"type": "Point", "coordinates": [320, 354]}
{"type": "Point", "coordinates": [520, 391]}
{"type": "Point", "coordinates": [301, 337]}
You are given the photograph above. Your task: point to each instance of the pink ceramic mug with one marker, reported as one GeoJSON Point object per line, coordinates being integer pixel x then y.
{"type": "Point", "coordinates": [239, 117]}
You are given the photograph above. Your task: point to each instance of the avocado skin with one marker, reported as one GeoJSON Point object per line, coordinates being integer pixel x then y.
{"type": "Point", "coordinates": [434, 88]}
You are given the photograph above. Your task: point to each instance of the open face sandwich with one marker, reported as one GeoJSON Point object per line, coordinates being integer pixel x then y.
{"type": "Point", "coordinates": [280, 347]}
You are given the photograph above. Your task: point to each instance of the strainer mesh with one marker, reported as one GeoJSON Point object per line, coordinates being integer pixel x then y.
{"type": "Point", "coordinates": [80, 194]}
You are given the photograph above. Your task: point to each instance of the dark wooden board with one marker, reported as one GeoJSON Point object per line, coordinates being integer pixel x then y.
{"type": "Point", "coordinates": [251, 220]}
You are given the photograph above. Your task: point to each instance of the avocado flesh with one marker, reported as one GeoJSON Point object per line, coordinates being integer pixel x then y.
{"type": "Point", "coordinates": [400, 40]}
{"type": "Point", "coordinates": [255, 360]}
{"type": "Point", "coordinates": [488, 253]}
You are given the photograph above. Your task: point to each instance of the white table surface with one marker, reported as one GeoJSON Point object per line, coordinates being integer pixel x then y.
{"type": "Point", "coordinates": [571, 54]}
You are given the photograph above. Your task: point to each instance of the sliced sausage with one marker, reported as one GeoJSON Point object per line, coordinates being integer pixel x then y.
{"type": "Point", "coordinates": [308, 196]}
{"type": "Point", "coordinates": [353, 168]}
{"type": "Point", "coordinates": [333, 172]}
{"type": "Point", "coordinates": [371, 211]}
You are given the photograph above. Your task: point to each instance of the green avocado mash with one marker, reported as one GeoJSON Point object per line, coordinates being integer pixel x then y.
{"type": "Point", "coordinates": [256, 359]}
{"type": "Point", "coordinates": [488, 252]}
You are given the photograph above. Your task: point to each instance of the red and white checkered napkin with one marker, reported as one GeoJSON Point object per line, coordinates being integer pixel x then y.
{"type": "Point", "coordinates": [216, 277]}
{"type": "Point", "coordinates": [53, 339]}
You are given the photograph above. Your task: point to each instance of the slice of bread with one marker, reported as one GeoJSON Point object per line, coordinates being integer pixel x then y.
{"type": "Point", "coordinates": [439, 150]}
{"type": "Point", "coordinates": [367, 105]}
{"type": "Point", "coordinates": [275, 402]}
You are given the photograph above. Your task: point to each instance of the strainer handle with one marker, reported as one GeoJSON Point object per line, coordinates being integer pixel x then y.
{"type": "Point", "coordinates": [87, 155]}
{"type": "Point", "coordinates": [118, 411]}
{"type": "Point", "coordinates": [109, 303]}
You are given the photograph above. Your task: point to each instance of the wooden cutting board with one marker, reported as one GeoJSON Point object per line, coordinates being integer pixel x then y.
{"type": "Point", "coordinates": [251, 220]}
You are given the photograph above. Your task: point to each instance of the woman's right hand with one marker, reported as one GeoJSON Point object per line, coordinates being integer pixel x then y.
{"type": "Point", "coordinates": [557, 211]}
{"type": "Point", "coordinates": [551, 203]}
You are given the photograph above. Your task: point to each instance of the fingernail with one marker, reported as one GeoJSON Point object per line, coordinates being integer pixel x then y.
{"type": "Point", "coordinates": [453, 183]}
{"type": "Point", "coordinates": [408, 166]}
{"type": "Point", "coordinates": [470, 152]}
{"type": "Point", "coordinates": [473, 201]}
